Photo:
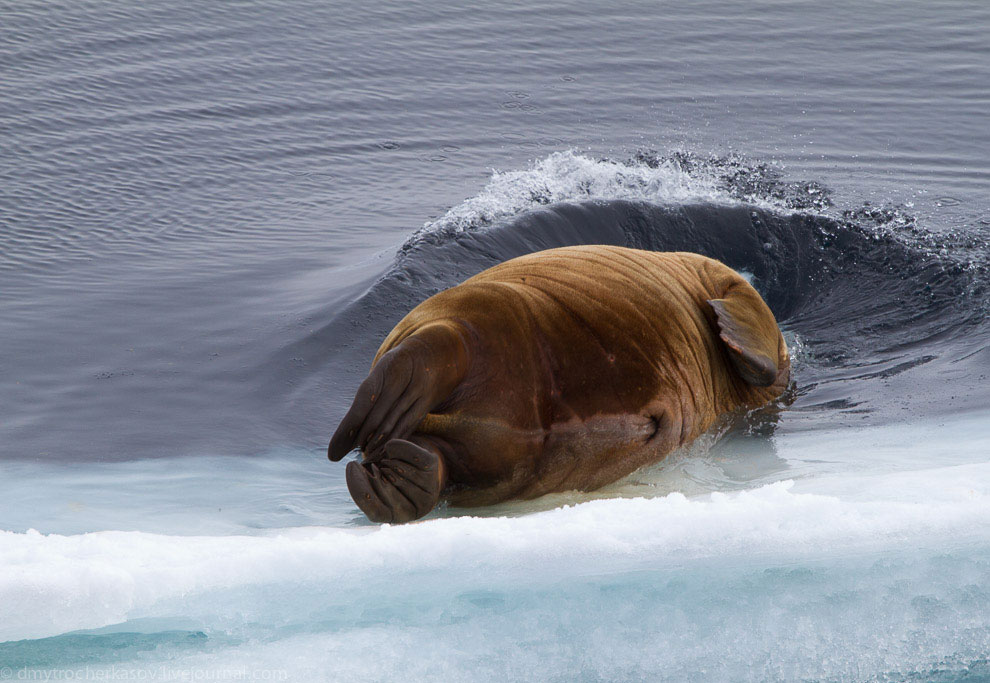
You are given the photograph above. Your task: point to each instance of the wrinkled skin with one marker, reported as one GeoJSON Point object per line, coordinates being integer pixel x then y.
{"type": "Point", "coordinates": [565, 369]}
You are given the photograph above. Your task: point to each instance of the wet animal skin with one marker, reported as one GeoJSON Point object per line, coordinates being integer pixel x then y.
{"type": "Point", "coordinates": [565, 369]}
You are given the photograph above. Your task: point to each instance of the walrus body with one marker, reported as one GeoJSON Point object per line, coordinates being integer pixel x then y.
{"type": "Point", "coordinates": [560, 370]}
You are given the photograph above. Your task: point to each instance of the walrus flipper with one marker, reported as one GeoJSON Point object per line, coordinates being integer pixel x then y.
{"type": "Point", "coordinates": [401, 484]}
{"type": "Point", "coordinates": [405, 383]}
{"type": "Point", "coordinates": [750, 332]}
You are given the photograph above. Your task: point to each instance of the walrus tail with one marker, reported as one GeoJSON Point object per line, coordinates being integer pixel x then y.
{"type": "Point", "coordinates": [750, 333]}
{"type": "Point", "coordinates": [397, 477]}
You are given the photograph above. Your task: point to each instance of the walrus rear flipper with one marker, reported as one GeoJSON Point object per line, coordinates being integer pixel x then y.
{"type": "Point", "coordinates": [404, 385]}
{"type": "Point", "coordinates": [399, 480]}
{"type": "Point", "coordinates": [402, 484]}
{"type": "Point", "coordinates": [750, 332]}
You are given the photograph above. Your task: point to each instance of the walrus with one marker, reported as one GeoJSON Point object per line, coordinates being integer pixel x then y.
{"type": "Point", "coordinates": [564, 369]}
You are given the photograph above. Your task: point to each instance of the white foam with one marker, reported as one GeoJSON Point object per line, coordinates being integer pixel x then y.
{"type": "Point", "coordinates": [569, 176]}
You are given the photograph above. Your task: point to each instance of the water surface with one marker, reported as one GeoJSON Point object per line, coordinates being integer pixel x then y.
{"type": "Point", "coordinates": [210, 216]}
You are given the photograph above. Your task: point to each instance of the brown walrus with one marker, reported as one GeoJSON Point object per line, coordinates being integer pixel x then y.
{"type": "Point", "coordinates": [560, 370]}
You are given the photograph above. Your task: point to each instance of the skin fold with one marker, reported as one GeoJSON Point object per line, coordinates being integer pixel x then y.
{"type": "Point", "coordinates": [565, 369]}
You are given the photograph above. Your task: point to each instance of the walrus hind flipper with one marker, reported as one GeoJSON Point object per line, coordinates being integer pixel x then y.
{"type": "Point", "coordinates": [403, 386]}
{"type": "Point", "coordinates": [751, 334]}
{"type": "Point", "coordinates": [402, 484]}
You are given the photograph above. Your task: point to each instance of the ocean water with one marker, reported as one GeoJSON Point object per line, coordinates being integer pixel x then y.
{"type": "Point", "coordinates": [211, 214]}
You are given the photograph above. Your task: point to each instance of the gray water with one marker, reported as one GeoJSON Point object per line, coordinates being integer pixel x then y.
{"type": "Point", "coordinates": [211, 214]}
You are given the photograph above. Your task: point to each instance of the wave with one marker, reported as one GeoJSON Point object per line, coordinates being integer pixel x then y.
{"type": "Point", "coordinates": [679, 178]}
{"type": "Point", "coordinates": [865, 295]}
